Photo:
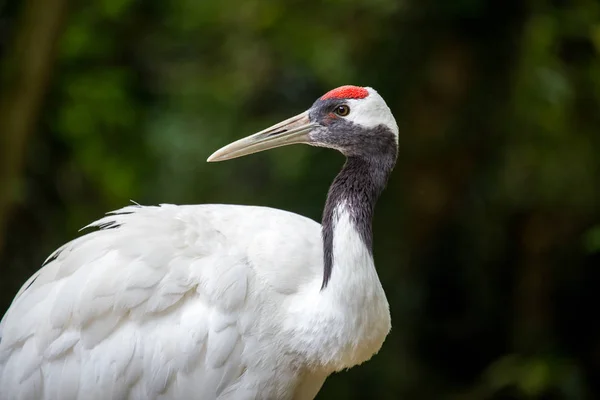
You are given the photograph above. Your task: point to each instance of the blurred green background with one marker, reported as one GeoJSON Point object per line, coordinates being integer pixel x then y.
{"type": "Point", "coordinates": [487, 239]}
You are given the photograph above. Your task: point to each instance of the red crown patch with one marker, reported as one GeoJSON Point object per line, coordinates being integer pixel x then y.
{"type": "Point", "coordinates": [346, 92]}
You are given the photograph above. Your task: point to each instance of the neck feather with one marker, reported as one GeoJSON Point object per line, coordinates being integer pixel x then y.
{"type": "Point", "coordinates": [356, 189]}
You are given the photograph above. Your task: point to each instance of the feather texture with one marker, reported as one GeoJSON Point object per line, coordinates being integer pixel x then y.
{"type": "Point", "coordinates": [178, 302]}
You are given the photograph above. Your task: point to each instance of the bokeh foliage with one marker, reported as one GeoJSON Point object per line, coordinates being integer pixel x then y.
{"type": "Point", "coordinates": [487, 239]}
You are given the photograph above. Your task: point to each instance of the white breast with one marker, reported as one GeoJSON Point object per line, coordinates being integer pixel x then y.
{"type": "Point", "coordinates": [347, 323]}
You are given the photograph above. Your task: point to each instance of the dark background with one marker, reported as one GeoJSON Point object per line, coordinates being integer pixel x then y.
{"type": "Point", "coordinates": [487, 239]}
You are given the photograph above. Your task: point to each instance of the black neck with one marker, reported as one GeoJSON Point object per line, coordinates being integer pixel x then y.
{"type": "Point", "coordinates": [357, 186]}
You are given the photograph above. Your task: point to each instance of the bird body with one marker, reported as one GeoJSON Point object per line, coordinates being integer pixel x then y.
{"type": "Point", "coordinates": [205, 301]}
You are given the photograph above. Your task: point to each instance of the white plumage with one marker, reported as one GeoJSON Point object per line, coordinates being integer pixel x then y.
{"type": "Point", "coordinates": [194, 302]}
{"type": "Point", "coordinates": [181, 299]}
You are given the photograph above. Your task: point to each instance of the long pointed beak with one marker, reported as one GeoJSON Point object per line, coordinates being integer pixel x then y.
{"type": "Point", "coordinates": [291, 131]}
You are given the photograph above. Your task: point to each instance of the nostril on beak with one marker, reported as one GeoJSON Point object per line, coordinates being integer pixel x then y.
{"type": "Point", "coordinates": [276, 132]}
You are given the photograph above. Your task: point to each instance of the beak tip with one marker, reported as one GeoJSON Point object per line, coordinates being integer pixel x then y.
{"type": "Point", "coordinates": [214, 157]}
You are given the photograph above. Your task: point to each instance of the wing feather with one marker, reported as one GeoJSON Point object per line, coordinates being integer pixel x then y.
{"type": "Point", "coordinates": [220, 345]}
{"type": "Point", "coordinates": [63, 343]}
{"type": "Point", "coordinates": [61, 378]}
{"type": "Point", "coordinates": [159, 306]}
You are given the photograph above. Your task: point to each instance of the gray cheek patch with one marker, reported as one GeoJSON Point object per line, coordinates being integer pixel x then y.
{"type": "Point", "coordinates": [343, 135]}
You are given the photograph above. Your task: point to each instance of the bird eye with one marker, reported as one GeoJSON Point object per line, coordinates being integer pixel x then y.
{"type": "Point", "coordinates": [342, 110]}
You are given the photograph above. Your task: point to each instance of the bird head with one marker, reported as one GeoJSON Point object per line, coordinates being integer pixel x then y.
{"type": "Point", "coordinates": [353, 120]}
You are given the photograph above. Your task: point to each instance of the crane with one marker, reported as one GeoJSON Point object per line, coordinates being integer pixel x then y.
{"type": "Point", "coordinates": [215, 301]}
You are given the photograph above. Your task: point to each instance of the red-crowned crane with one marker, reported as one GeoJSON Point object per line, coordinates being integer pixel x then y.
{"type": "Point", "coordinates": [215, 301]}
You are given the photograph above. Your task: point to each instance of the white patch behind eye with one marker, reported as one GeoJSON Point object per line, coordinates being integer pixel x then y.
{"type": "Point", "coordinates": [372, 111]}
